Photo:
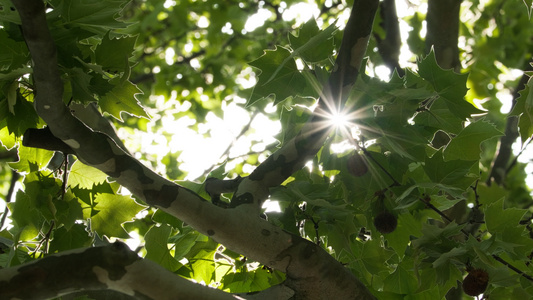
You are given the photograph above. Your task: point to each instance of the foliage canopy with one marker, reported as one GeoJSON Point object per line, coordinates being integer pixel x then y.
{"type": "Point", "coordinates": [431, 139]}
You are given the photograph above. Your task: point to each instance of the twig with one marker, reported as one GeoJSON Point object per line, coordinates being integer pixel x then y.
{"type": "Point", "coordinates": [243, 131]}
{"type": "Point", "coordinates": [14, 178]}
{"type": "Point", "coordinates": [395, 183]}
{"type": "Point", "coordinates": [518, 271]}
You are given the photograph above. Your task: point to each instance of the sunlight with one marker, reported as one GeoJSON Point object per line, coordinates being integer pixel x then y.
{"type": "Point", "coordinates": [302, 12]}
{"type": "Point", "coordinates": [257, 20]}
{"type": "Point", "coordinates": [339, 120]}
{"type": "Point", "coordinates": [271, 206]}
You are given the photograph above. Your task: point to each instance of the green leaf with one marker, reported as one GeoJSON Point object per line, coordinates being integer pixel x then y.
{"type": "Point", "coordinates": [8, 13]}
{"type": "Point", "coordinates": [26, 216]}
{"type": "Point", "coordinates": [31, 159]}
{"type": "Point", "coordinates": [122, 99]}
{"type": "Point", "coordinates": [93, 13]}
{"type": "Point", "coordinates": [68, 210]}
{"type": "Point", "coordinates": [440, 116]}
{"type": "Point", "coordinates": [14, 74]}
{"type": "Point", "coordinates": [73, 238]}
{"type": "Point", "coordinates": [7, 139]}
{"type": "Point", "coordinates": [467, 144]}
{"type": "Point", "coordinates": [447, 172]}
{"type": "Point", "coordinates": [524, 109]}
{"type": "Point", "coordinates": [308, 44]}
{"type": "Point", "coordinates": [203, 266]}
{"type": "Point", "coordinates": [156, 243]}
{"type": "Point", "coordinates": [113, 54]}
{"type": "Point", "coordinates": [373, 255]}
{"type": "Point", "coordinates": [10, 50]}
{"type": "Point", "coordinates": [183, 243]}
{"type": "Point", "coordinates": [21, 114]}
{"type": "Point", "coordinates": [311, 43]}
{"type": "Point", "coordinates": [400, 281]}
{"type": "Point", "coordinates": [455, 254]}
{"type": "Point", "coordinates": [80, 82]}
{"type": "Point", "coordinates": [407, 227]}
{"type": "Point", "coordinates": [113, 210]}
{"type": "Point", "coordinates": [85, 177]}
{"type": "Point", "coordinates": [497, 218]}
{"type": "Point", "coordinates": [286, 78]}
{"type": "Point", "coordinates": [450, 86]}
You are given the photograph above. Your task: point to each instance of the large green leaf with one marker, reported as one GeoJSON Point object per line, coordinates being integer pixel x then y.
{"type": "Point", "coordinates": [524, 109]}
{"type": "Point", "coordinates": [467, 144]}
{"type": "Point", "coordinates": [401, 281]}
{"type": "Point", "coordinates": [450, 86]}
{"type": "Point", "coordinates": [27, 218]}
{"type": "Point", "coordinates": [279, 77]}
{"type": "Point", "coordinates": [92, 13]}
{"type": "Point", "coordinates": [11, 51]}
{"type": "Point", "coordinates": [32, 159]}
{"type": "Point", "coordinates": [122, 99]}
{"type": "Point", "coordinates": [452, 172]}
{"type": "Point", "coordinates": [157, 248]}
{"type": "Point", "coordinates": [113, 210]}
{"type": "Point", "coordinates": [85, 177]}
{"type": "Point", "coordinates": [80, 83]}
{"type": "Point", "coordinates": [311, 43]}
{"type": "Point", "coordinates": [73, 238]}
{"type": "Point", "coordinates": [113, 54]}
{"type": "Point", "coordinates": [497, 218]}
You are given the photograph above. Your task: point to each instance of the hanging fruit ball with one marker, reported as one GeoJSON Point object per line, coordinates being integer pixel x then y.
{"type": "Point", "coordinates": [475, 283]}
{"type": "Point", "coordinates": [385, 222]}
{"type": "Point", "coordinates": [357, 165]}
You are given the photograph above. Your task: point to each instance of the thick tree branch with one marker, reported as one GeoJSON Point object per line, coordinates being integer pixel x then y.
{"type": "Point", "coordinates": [443, 32]}
{"type": "Point", "coordinates": [311, 271]}
{"type": "Point", "coordinates": [44, 139]}
{"type": "Point", "coordinates": [389, 47]}
{"type": "Point", "coordinates": [113, 267]}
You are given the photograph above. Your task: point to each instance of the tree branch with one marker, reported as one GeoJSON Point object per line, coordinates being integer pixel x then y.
{"type": "Point", "coordinates": [389, 47]}
{"type": "Point", "coordinates": [14, 178]}
{"type": "Point", "coordinates": [443, 32]}
{"type": "Point", "coordinates": [113, 267]}
{"type": "Point", "coordinates": [500, 164]}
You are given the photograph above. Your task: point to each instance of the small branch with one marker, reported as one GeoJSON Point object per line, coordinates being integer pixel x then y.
{"type": "Point", "coordinates": [45, 240]}
{"type": "Point", "coordinates": [243, 131]}
{"type": "Point", "coordinates": [369, 155]}
{"type": "Point", "coordinates": [500, 165]}
{"type": "Point", "coordinates": [14, 178]}
{"type": "Point", "coordinates": [518, 271]}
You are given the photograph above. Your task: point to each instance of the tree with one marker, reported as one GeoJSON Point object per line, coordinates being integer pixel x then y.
{"type": "Point", "coordinates": [385, 187]}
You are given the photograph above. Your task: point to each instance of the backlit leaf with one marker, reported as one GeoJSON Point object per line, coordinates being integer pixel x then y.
{"type": "Point", "coordinates": [113, 210]}
{"type": "Point", "coordinates": [466, 145]}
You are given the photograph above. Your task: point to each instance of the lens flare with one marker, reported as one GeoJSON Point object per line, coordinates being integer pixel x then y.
{"type": "Point", "coordinates": [339, 120]}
